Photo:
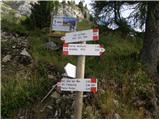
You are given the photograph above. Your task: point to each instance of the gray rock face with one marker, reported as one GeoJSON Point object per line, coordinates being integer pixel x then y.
{"type": "Point", "coordinates": [6, 58]}
{"type": "Point", "coordinates": [19, 7]}
{"type": "Point", "coordinates": [72, 10]}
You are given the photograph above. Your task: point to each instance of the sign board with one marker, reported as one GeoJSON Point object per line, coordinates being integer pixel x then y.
{"type": "Point", "coordinates": [83, 49]}
{"type": "Point", "coordinates": [70, 70]}
{"type": "Point", "coordinates": [80, 36]}
{"type": "Point", "coordinates": [64, 23]}
{"type": "Point", "coordinates": [86, 85]}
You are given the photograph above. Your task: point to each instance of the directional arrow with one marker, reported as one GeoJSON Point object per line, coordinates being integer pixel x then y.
{"type": "Point", "coordinates": [83, 49]}
{"type": "Point", "coordinates": [86, 85]}
{"type": "Point", "coordinates": [80, 36]}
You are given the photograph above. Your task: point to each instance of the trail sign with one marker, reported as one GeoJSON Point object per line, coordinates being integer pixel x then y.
{"type": "Point", "coordinates": [86, 85]}
{"type": "Point", "coordinates": [80, 36]}
{"type": "Point", "coordinates": [83, 49]}
{"type": "Point", "coordinates": [70, 70]}
{"type": "Point", "coordinates": [64, 23]}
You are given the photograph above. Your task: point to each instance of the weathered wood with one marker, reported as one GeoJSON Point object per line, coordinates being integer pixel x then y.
{"type": "Point", "coordinates": [79, 95]}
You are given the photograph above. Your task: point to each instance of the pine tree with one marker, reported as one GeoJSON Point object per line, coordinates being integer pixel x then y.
{"type": "Point", "coordinates": [41, 13]}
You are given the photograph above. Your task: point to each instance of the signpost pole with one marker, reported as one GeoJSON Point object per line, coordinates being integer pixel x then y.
{"type": "Point", "coordinates": [79, 95]}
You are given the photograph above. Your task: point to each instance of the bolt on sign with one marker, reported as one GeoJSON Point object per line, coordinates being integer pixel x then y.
{"type": "Point", "coordinates": [83, 49]}
{"type": "Point", "coordinates": [81, 36]}
{"type": "Point", "coordinates": [85, 85]}
{"type": "Point", "coordinates": [64, 23]}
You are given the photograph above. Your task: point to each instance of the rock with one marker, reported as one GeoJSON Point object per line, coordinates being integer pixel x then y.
{"type": "Point", "coordinates": [72, 116]}
{"type": "Point", "coordinates": [117, 116]}
{"type": "Point", "coordinates": [25, 58]}
{"type": "Point", "coordinates": [51, 77]}
{"type": "Point", "coordinates": [13, 46]}
{"type": "Point", "coordinates": [55, 95]}
{"type": "Point", "coordinates": [21, 117]}
{"type": "Point", "coordinates": [56, 113]}
{"type": "Point", "coordinates": [51, 46]}
{"type": "Point", "coordinates": [49, 107]}
{"type": "Point", "coordinates": [115, 102]}
{"type": "Point", "coordinates": [6, 58]}
{"type": "Point", "coordinates": [25, 53]}
{"type": "Point", "coordinates": [139, 103]}
{"type": "Point", "coordinates": [24, 44]}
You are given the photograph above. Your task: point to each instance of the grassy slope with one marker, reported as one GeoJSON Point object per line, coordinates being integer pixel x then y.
{"type": "Point", "coordinates": [118, 70]}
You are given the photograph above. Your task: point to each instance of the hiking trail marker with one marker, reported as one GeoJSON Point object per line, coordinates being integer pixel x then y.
{"type": "Point", "coordinates": [83, 49]}
{"type": "Point", "coordinates": [80, 84]}
{"type": "Point", "coordinates": [81, 36]}
{"type": "Point", "coordinates": [85, 85]}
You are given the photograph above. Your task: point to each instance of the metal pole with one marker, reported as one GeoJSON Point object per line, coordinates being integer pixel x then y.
{"type": "Point", "coordinates": [79, 95]}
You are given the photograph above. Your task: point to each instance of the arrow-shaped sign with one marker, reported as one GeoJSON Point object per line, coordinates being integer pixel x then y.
{"type": "Point", "coordinates": [86, 85]}
{"type": "Point", "coordinates": [80, 36]}
{"type": "Point", "coordinates": [83, 49]}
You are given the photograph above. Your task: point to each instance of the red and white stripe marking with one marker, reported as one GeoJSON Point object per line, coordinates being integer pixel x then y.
{"type": "Point", "coordinates": [83, 49]}
{"type": "Point", "coordinates": [85, 85]}
{"type": "Point", "coordinates": [95, 34]}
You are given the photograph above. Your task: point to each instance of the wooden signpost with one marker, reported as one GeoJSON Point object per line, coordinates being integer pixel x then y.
{"type": "Point", "coordinates": [82, 49]}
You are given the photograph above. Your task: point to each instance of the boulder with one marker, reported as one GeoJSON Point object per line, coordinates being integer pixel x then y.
{"type": "Point", "coordinates": [25, 58]}
{"type": "Point", "coordinates": [6, 58]}
{"type": "Point", "coordinates": [51, 46]}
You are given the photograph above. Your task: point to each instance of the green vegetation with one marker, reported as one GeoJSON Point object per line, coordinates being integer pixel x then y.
{"type": "Point", "coordinates": [119, 71]}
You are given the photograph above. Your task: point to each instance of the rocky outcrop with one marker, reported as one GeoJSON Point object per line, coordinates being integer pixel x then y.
{"type": "Point", "coordinates": [73, 10]}
{"type": "Point", "coordinates": [20, 8]}
{"type": "Point", "coordinates": [14, 49]}
{"type": "Point", "coordinates": [23, 8]}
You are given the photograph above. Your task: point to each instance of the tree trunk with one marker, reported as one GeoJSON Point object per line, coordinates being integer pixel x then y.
{"type": "Point", "coordinates": [150, 51]}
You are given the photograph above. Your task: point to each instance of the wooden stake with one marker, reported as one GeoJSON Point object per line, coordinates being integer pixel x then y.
{"type": "Point", "coordinates": [79, 95]}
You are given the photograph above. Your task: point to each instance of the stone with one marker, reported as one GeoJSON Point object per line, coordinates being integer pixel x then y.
{"type": "Point", "coordinates": [51, 46]}
{"type": "Point", "coordinates": [6, 58]}
{"type": "Point", "coordinates": [56, 113]}
{"type": "Point", "coordinates": [115, 102]}
{"type": "Point", "coordinates": [21, 117]}
{"type": "Point", "coordinates": [25, 53]}
{"type": "Point", "coordinates": [13, 46]}
{"type": "Point", "coordinates": [51, 77]}
{"type": "Point", "coordinates": [55, 95]}
{"type": "Point", "coordinates": [117, 116]}
{"type": "Point", "coordinates": [49, 107]}
{"type": "Point", "coordinates": [25, 58]}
